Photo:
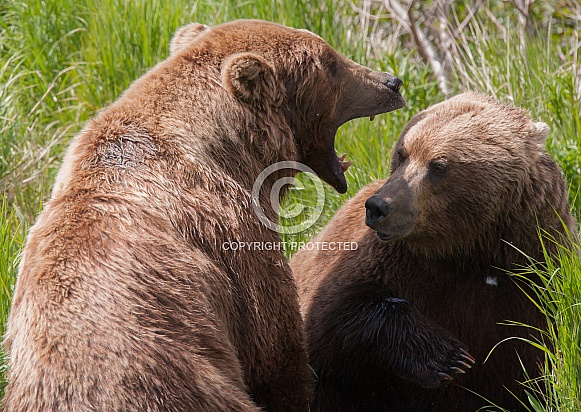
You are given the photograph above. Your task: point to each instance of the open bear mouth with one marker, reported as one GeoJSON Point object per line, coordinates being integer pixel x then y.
{"type": "Point", "coordinates": [331, 167]}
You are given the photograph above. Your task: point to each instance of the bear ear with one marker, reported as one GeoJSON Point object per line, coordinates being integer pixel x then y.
{"type": "Point", "coordinates": [184, 36]}
{"type": "Point", "coordinates": [251, 79]}
{"type": "Point", "coordinates": [539, 132]}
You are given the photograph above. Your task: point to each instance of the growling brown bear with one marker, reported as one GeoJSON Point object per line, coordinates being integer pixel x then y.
{"type": "Point", "coordinates": [397, 324]}
{"type": "Point", "coordinates": [125, 298]}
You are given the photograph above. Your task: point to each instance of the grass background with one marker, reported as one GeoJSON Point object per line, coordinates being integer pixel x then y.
{"type": "Point", "coordinates": [63, 60]}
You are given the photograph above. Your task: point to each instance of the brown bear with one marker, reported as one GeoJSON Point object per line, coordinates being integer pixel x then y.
{"type": "Point", "coordinates": [126, 299]}
{"type": "Point", "coordinates": [424, 291]}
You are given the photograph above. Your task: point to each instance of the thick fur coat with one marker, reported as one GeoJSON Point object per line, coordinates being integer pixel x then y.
{"type": "Point", "coordinates": [406, 321]}
{"type": "Point", "coordinates": [126, 299]}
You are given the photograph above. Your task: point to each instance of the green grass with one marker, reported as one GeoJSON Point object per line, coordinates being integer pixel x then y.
{"type": "Point", "coordinates": [558, 296]}
{"type": "Point", "coordinates": [62, 60]}
{"type": "Point", "coordinates": [12, 233]}
{"type": "Point", "coordinates": [561, 298]}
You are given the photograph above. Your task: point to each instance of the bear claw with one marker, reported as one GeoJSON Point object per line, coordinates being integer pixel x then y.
{"type": "Point", "coordinates": [466, 360]}
{"type": "Point", "coordinates": [456, 366]}
{"type": "Point", "coordinates": [468, 357]}
{"type": "Point", "coordinates": [466, 365]}
{"type": "Point", "coordinates": [444, 377]}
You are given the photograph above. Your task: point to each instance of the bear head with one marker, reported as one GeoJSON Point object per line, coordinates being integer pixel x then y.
{"type": "Point", "coordinates": [299, 88]}
{"type": "Point", "coordinates": [462, 174]}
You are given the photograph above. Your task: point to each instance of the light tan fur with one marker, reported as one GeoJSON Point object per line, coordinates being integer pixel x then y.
{"type": "Point", "coordinates": [126, 299]}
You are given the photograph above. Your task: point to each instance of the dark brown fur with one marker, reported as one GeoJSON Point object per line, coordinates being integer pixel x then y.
{"type": "Point", "coordinates": [391, 321]}
{"type": "Point", "coordinates": [126, 299]}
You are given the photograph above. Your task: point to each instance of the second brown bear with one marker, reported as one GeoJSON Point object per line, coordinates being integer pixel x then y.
{"type": "Point", "coordinates": [393, 325]}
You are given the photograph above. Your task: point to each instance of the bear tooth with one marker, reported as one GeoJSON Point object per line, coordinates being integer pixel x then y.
{"type": "Point", "coordinates": [345, 165]}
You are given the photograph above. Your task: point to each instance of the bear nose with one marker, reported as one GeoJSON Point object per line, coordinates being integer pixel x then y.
{"type": "Point", "coordinates": [394, 83]}
{"type": "Point", "coordinates": [377, 209]}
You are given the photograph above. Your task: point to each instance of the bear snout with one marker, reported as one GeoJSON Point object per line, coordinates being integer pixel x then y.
{"type": "Point", "coordinates": [387, 79]}
{"type": "Point", "coordinates": [394, 83]}
{"type": "Point", "coordinates": [376, 209]}
{"type": "Point", "coordinates": [390, 211]}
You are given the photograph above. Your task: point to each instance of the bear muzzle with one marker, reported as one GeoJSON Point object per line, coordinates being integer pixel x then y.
{"type": "Point", "coordinates": [376, 209]}
{"type": "Point", "coordinates": [389, 213]}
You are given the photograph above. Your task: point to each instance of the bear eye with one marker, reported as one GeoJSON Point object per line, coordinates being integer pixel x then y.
{"type": "Point", "coordinates": [438, 165]}
{"type": "Point", "coordinates": [398, 158]}
{"type": "Point", "coordinates": [401, 155]}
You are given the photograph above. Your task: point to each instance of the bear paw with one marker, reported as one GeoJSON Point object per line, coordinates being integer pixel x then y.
{"type": "Point", "coordinates": [457, 364]}
{"type": "Point", "coordinates": [438, 367]}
